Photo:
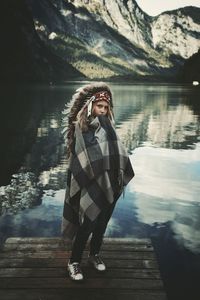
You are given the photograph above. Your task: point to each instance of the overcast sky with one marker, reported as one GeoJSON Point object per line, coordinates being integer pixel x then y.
{"type": "Point", "coordinates": [155, 7]}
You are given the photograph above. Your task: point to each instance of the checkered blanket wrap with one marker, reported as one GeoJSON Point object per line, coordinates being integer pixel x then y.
{"type": "Point", "coordinates": [98, 154]}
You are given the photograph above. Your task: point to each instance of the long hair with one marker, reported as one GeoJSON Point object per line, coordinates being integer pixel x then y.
{"type": "Point", "coordinates": [74, 111]}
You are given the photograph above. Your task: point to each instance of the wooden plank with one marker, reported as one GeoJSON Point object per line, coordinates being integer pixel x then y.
{"type": "Point", "coordinates": [44, 240]}
{"type": "Point", "coordinates": [88, 271]}
{"type": "Point", "coordinates": [58, 262]}
{"type": "Point", "coordinates": [56, 246]}
{"type": "Point", "coordinates": [92, 283]}
{"type": "Point", "coordinates": [66, 254]}
{"type": "Point", "coordinates": [80, 294]}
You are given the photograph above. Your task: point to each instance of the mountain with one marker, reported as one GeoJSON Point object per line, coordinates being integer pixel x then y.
{"type": "Point", "coordinates": [191, 69]}
{"type": "Point", "coordinates": [177, 32]}
{"type": "Point", "coordinates": [105, 39]}
{"type": "Point", "coordinates": [84, 41]}
{"type": "Point", "coordinates": [23, 56]}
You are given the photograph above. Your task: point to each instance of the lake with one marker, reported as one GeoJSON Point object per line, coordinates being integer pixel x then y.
{"type": "Point", "coordinates": [160, 126]}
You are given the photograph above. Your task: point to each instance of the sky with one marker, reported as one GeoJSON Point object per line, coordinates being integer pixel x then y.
{"type": "Point", "coordinates": [155, 7]}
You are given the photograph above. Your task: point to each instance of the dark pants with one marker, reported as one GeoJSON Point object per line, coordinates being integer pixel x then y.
{"type": "Point", "coordinates": [97, 228]}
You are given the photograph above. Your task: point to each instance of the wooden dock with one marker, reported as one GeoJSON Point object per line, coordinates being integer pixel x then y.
{"type": "Point", "coordinates": [35, 269]}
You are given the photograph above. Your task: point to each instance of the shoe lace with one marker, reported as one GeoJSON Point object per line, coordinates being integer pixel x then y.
{"type": "Point", "coordinates": [76, 268]}
{"type": "Point", "coordinates": [98, 260]}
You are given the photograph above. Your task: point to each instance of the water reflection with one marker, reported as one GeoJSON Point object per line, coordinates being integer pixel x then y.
{"type": "Point", "coordinates": [156, 117]}
{"type": "Point", "coordinates": [167, 189]}
{"type": "Point", "coordinates": [160, 132]}
{"type": "Point", "coordinates": [43, 220]}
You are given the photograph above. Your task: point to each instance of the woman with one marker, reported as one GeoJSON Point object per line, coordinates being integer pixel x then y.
{"type": "Point", "coordinates": [99, 168]}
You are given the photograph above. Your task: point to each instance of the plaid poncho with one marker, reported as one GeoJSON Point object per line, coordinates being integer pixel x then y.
{"type": "Point", "coordinates": [97, 154]}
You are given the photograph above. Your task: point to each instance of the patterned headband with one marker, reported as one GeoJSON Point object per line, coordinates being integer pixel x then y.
{"type": "Point", "coordinates": [100, 96]}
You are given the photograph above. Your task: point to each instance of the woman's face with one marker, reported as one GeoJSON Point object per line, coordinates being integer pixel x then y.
{"type": "Point", "coordinates": [100, 108]}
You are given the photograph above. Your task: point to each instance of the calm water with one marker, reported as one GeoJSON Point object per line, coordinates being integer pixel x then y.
{"type": "Point", "coordinates": [159, 124]}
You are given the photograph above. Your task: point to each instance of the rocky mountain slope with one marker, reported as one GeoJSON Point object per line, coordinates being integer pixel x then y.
{"type": "Point", "coordinates": [85, 41]}
{"type": "Point", "coordinates": [23, 56]}
{"type": "Point", "coordinates": [177, 32]}
{"type": "Point", "coordinates": [113, 38]}
{"type": "Point", "coordinates": [109, 39]}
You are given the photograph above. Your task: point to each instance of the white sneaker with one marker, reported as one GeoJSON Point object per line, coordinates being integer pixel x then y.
{"type": "Point", "coordinates": [97, 262]}
{"type": "Point", "coordinates": [75, 272]}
